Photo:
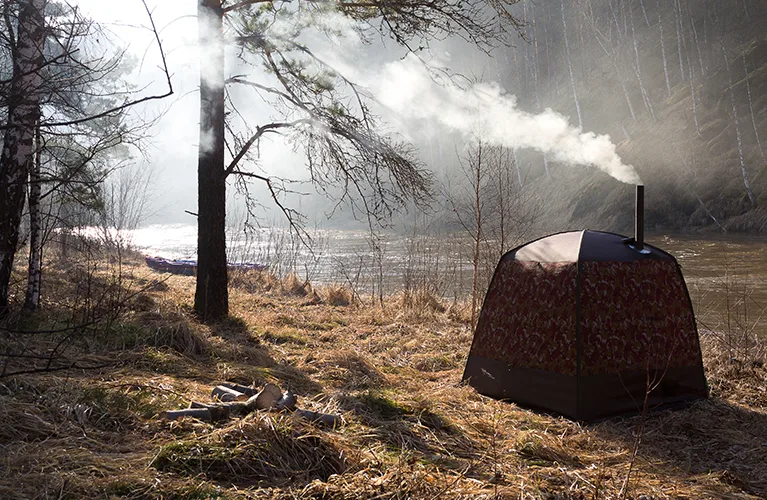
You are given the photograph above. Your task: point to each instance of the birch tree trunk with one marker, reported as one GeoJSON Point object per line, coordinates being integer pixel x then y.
{"type": "Point", "coordinates": [570, 67]}
{"type": "Point", "coordinates": [697, 44]}
{"type": "Point", "coordinates": [623, 86]}
{"type": "Point", "coordinates": [638, 70]}
{"type": "Point", "coordinates": [538, 105]}
{"type": "Point", "coordinates": [678, 23]}
{"type": "Point", "coordinates": [18, 144]}
{"type": "Point", "coordinates": [615, 18]}
{"type": "Point", "coordinates": [743, 169]}
{"type": "Point", "coordinates": [32, 301]}
{"type": "Point", "coordinates": [535, 59]}
{"type": "Point", "coordinates": [551, 69]}
{"type": "Point", "coordinates": [516, 164]}
{"type": "Point", "coordinates": [745, 11]}
{"type": "Point", "coordinates": [751, 108]}
{"type": "Point", "coordinates": [610, 52]}
{"type": "Point", "coordinates": [692, 94]}
{"type": "Point", "coordinates": [211, 298]}
{"type": "Point", "coordinates": [663, 50]}
{"type": "Point", "coordinates": [644, 12]}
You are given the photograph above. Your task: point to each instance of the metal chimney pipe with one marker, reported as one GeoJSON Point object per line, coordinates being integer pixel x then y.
{"type": "Point", "coordinates": [639, 218]}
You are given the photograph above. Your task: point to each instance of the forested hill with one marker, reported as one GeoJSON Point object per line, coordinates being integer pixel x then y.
{"type": "Point", "coordinates": [680, 86]}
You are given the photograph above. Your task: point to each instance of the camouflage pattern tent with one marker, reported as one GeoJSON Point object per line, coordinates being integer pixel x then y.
{"type": "Point", "coordinates": [576, 323]}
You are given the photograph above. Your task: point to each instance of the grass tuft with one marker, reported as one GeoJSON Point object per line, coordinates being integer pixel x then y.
{"type": "Point", "coordinates": [337, 295]}
{"type": "Point", "coordinates": [259, 450]}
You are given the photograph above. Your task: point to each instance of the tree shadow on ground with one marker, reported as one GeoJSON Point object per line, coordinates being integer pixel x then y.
{"type": "Point", "coordinates": [404, 429]}
{"type": "Point", "coordinates": [710, 436]}
{"type": "Point", "coordinates": [101, 321]}
{"type": "Point", "coordinates": [253, 362]}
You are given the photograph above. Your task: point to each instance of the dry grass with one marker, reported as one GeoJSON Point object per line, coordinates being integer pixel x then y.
{"type": "Point", "coordinates": [337, 296]}
{"type": "Point", "coordinates": [411, 430]}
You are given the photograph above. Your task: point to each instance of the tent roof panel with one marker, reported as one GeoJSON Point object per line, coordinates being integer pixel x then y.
{"type": "Point", "coordinates": [562, 247]}
{"type": "Point", "coordinates": [572, 246]}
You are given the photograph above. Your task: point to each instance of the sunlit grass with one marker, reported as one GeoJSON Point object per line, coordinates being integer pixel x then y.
{"type": "Point", "coordinates": [392, 371]}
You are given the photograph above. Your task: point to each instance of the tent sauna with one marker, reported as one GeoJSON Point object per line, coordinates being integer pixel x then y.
{"type": "Point", "coordinates": [579, 323]}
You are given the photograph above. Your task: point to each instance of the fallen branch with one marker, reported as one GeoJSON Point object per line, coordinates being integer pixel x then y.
{"type": "Point", "coordinates": [239, 400]}
{"type": "Point", "coordinates": [210, 414]}
{"type": "Point", "coordinates": [224, 393]}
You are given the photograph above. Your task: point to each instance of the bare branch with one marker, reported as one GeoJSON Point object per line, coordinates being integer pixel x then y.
{"type": "Point", "coordinates": [260, 131]}
{"type": "Point", "coordinates": [127, 104]}
{"type": "Point", "coordinates": [289, 213]}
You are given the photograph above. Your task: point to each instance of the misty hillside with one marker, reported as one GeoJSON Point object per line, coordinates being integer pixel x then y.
{"type": "Point", "coordinates": [681, 88]}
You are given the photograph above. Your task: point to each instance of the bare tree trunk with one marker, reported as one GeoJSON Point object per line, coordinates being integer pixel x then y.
{"type": "Point", "coordinates": [644, 12]}
{"type": "Point", "coordinates": [743, 170]}
{"type": "Point", "coordinates": [502, 163]}
{"type": "Point", "coordinates": [697, 44]}
{"type": "Point", "coordinates": [625, 93]}
{"type": "Point", "coordinates": [615, 18]}
{"type": "Point", "coordinates": [536, 59]}
{"type": "Point", "coordinates": [516, 164]}
{"type": "Point", "coordinates": [32, 301]}
{"type": "Point", "coordinates": [377, 281]}
{"type": "Point", "coordinates": [570, 67]}
{"type": "Point", "coordinates": [18, 144]}
{"type": "Point", "coordinates": [706, 14]}
{"type": "Point", "coordinates": [537, 89]}
{"type": "Point", "coordinates": [502, 187]}
{"type": "Point", "coordinates": [638, 70]}
{"type": "Point", "coordinates": [551, 69]}
{"type": "Point", "coordinates": [678, 23]}
{"type": "Point", "coordinates": [751, 107]}
{"type": "Point", "coordinates": [478, 171]}
{"type": "Point", "coordinates": [690, 172]}
{"type": "Point", "coordinates": [525, 52]}
{"type": "Point", "coordinates": [663, 50]}
{"type": "Point", "coordinates": [692, 94]}
{"type": "Point", "coordinates": [211, 298]}
{"type": "Point", "coordinates": [623, 9]}
{"type": "Point", "coordinates": [610, 52]}
{"type": "Point", "coordinates": [585, 57]}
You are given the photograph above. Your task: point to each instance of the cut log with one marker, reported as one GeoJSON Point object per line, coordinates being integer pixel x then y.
{"type": "Point", "coordinates": [266, 399]}
{"type": "Point", "coordinates": [248, 391]}
{"type": "Point", "coordinates": [316, 417]}
{"type": "Point", "coordinates": [287, 402]}
{"type": "Point", "coordinates": [219, 413]}
{"type": "Point", "coordinates": [208, 414]}
{"type": "Point", "coordinates": [240, 409]}
{"type": "Point", "coordinates": [198, 413]}
{"type": "Point", "coordinates": [270, 397]}
{"type": "Point", "coordinates": [226, 394]}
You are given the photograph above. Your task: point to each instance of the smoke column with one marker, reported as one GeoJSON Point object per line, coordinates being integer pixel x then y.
{"type": "Point", "coordinates": [406, 87]}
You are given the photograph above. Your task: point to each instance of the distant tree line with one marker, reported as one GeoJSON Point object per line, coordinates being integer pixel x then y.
{"type": "Point", "coordinates": [678, 84]}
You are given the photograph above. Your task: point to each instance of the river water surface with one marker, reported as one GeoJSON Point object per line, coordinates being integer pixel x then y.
{"type": "Point", "coordinates": [725, 274]}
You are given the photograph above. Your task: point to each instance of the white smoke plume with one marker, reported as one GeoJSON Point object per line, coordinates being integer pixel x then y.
{"type": "Point", "coordinates": [406, 88]}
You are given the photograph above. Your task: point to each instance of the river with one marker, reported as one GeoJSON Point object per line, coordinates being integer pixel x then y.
{"type": "Point", "coordinates": [727, 279]}
{"type": "Point", "coordinates": [726, 274]}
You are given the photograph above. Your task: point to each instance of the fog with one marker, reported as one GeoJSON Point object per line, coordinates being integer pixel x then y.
{"type": "Point", "coordinates": [637, 102]}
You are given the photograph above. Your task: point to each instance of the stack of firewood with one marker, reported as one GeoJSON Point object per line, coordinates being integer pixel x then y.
{"type": "Point", "coordinates": [234, 400]}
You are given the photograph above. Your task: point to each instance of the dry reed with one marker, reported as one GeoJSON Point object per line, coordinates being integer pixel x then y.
{"type": "Point", "coordinates": [411, 430]}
